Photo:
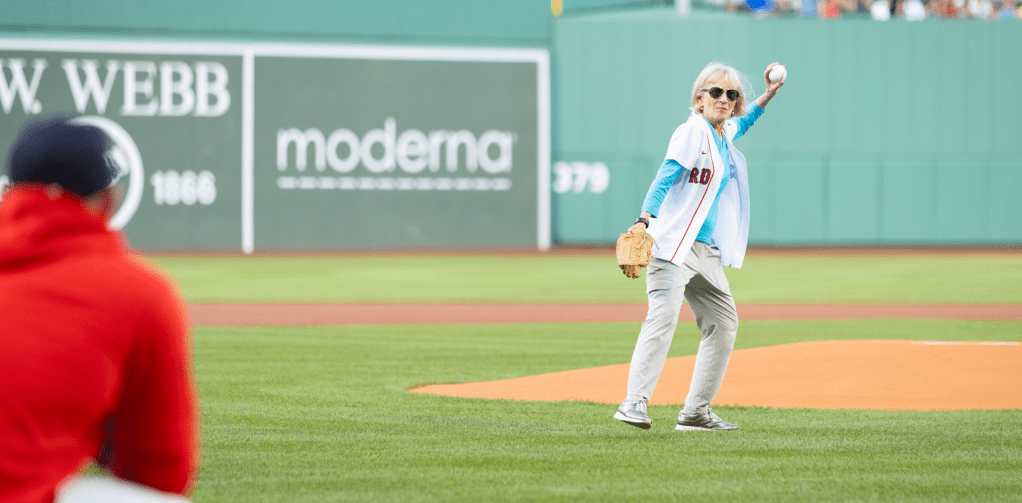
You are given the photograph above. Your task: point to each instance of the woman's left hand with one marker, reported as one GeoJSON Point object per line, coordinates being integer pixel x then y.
{"type": "Point", "coordinates": [771, 87]}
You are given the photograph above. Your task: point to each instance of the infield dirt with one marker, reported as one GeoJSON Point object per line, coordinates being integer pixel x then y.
{"type": "Point", "coordinates": [315, 314]}
{"type": "Point", "coordinates": [871, 374]}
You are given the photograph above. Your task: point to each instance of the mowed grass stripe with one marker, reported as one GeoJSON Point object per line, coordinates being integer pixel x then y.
{"type": "Point", "coordinates": [322, 414]}
{"type": "Point", "coordinates": [942, 279]}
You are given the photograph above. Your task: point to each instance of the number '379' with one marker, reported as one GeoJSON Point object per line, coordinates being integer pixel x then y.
{"type": "Point", "coordinates": [575, 176]}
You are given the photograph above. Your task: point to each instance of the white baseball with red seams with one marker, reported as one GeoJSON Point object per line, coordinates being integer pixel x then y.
{"type": "Point", "coordinates": [777, 73]}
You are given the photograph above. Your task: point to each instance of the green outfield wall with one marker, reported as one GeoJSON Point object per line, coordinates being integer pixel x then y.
{"type": "Point", "coordinates": [447, 22]}
{"type": "Point", "coordinates": [885, 133]}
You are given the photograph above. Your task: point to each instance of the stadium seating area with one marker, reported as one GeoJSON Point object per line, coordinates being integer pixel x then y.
{"type": "Point", "coordinates": [881, 10]}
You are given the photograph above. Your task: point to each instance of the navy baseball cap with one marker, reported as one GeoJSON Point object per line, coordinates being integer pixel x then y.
{"type": "Point", "coordinates": [60, 150]}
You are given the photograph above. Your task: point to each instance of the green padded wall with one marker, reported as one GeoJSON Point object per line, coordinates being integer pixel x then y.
{"type": "Point", "coordinates": [447, 22]}
{"type": "Point", "coordinates": [885, 133]}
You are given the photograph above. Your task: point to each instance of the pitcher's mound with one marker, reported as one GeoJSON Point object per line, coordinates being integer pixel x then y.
{"type": "Point", "coordinates": [878, 374]}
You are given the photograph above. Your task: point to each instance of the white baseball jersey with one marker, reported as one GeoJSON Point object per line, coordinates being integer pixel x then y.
{"type": "Point", "coordinates": [692, 193]}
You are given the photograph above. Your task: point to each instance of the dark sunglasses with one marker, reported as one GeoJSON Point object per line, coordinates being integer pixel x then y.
{"type": "Point", "coordinates": [715, 92]}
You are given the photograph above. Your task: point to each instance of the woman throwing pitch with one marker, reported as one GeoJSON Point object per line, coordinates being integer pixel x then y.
{"type": "Point", "coordinates": [699, 205]}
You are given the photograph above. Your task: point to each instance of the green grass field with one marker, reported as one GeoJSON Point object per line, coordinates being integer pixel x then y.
{"type": "Point", "coordinates": [971, 279]}
{"type": "Point", "coordinates": [322, 413]}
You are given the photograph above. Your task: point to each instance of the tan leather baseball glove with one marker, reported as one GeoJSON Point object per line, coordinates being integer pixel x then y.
{"type": "Point", "coordinates": [634, 250]}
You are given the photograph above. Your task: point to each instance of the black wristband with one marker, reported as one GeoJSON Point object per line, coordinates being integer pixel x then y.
{"type": "Point", "coordinates": [643, 221]}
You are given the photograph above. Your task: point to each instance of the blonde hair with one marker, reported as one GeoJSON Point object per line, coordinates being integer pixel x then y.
{"type": "Point", "coordinates": [717, 70]}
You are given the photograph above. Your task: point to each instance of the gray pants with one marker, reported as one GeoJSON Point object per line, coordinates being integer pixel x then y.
{"type": "Point", "coordinates": [701, 281]}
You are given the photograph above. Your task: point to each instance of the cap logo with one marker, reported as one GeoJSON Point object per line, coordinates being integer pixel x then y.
{"type": "Point", "coordinates": [123, 154]}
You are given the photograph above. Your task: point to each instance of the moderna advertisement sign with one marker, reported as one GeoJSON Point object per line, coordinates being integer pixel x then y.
{"type": "Point", "coordinates": [304, 146]}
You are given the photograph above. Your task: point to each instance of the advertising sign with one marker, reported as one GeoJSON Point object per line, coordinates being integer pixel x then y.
{"type": "Point", "coordinates": [304, 147]}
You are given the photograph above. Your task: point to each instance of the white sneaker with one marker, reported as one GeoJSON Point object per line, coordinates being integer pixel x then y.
{"type": "Point", "coordinates": [633, 412]}
{"type": "Point", "coordinates": [703, 422]}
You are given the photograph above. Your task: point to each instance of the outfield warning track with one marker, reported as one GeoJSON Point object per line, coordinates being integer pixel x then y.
{"type": "Point", "coordinates": [314, 314]}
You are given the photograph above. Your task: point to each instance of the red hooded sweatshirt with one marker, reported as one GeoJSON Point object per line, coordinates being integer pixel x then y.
{"type": "Point", "coordinates": [95, 355]}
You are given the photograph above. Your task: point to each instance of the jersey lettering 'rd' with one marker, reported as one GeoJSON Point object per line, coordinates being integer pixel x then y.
{"type": "Point", "coordinates": [700, 176]}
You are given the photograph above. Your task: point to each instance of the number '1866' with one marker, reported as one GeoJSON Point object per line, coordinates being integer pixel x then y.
{"type": "Point", "coordinates": [188, 187]}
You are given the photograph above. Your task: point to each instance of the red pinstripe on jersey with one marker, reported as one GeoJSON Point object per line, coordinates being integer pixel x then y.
{"type": "Point", "coordinates": [713, 170]}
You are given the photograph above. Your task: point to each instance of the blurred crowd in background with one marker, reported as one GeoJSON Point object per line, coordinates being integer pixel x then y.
{"type": "Point", "coordinates": [881, 10]}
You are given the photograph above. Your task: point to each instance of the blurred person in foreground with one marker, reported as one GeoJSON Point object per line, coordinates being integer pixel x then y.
{"type": "Point", "coordinates": [95, 353]}
{"type": "Point", "coordinates": [697, 211]}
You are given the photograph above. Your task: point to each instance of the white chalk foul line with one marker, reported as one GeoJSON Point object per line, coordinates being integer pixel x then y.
{"type": "Point", "coordinates": [959, 343]}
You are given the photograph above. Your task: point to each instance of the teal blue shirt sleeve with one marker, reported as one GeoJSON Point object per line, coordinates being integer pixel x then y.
{"type": "Point", "coordinates": [669, 170]}
{"type": "Point", "coordinates": [746, 121]}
